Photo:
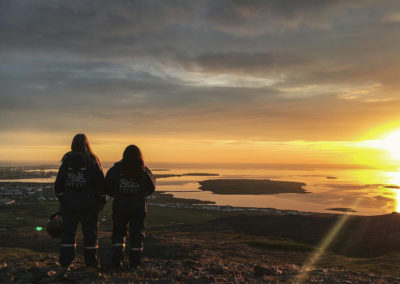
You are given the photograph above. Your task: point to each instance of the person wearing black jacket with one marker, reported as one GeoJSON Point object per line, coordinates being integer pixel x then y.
{"type": "Point", "coordinates": [129, 182]}
{"type": "Point", "coordinates": [80, 188]}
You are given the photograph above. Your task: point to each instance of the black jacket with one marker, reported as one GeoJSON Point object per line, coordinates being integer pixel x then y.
{"type": "Point", "coordinates": [79, 180]}
{"type": "Point", "coordinates": [118, 184]}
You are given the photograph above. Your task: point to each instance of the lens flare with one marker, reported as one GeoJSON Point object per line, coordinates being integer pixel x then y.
{"type": "Point", "coordinates": [392, 144]}
{"type": "Point", "coordinates": [322, 247]}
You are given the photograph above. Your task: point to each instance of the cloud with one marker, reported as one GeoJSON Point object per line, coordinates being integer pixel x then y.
{"type": "Point", "coordinates": [252, 64]}
{"type": "Point", "coordinates": [235, 69]}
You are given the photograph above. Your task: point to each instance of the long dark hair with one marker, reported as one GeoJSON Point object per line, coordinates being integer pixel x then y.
{"type": "Point", "coordinates": [80, 143]}
{"type": "Point", "coordinates": [132, 163]}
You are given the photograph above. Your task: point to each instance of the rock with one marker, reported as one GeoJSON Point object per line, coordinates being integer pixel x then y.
{"type": "Point", "coordinates": [38, 273]}
{"type": "Point", "coordinates": [52, 262]}
{"type": "Point", "coordinates": [264, 270]}
{"type": "Point", "coordinates": [58, 270]}
{"type": "Point", "coordinates": [74, 276]}
{"type": "Point", "coordinates": [292, 269]}
{"type": "Point", "coordinates": [191, 262]}
{"type": "Point", "coordinates": [218, 268]}
{"type": "Point", "coordinates": [51, 273]}
{"type": "Point", "coordinates": [27, 275]}
{"type": "Point", "coordinates": [46, 280]}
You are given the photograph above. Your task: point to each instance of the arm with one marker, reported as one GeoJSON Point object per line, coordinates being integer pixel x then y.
{"type": "Point", "coordinates": [110, 183]}
{"type": "Point", "coordinates": [149, 183]}
{"type": "Point", "coordinates": [100, 181]}
{"type": "Point", "coordinates": [60, 181]}
{"type": "Point", "coordinates": [100, 186]}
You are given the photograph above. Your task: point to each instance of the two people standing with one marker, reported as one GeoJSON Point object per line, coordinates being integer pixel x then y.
{"type": "Point", "coordinates": [81, 187]}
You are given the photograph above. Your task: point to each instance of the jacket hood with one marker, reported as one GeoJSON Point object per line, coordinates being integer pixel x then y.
{"type": "Point", "coordinates": [75, 160]}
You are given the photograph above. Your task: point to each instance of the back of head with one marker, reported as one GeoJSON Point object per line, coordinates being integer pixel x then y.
{"type": "Point", "coordinates": [80, 143]}
{"type": "Point", "coordinates": [132, 163]}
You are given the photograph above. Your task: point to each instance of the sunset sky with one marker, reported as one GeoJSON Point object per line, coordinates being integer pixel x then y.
{"type": "Point", "coordinates": [201, 81]}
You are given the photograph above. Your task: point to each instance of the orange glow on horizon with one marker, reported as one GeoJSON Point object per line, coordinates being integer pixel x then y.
{"type": "Point", "coordinates": [380, 153]}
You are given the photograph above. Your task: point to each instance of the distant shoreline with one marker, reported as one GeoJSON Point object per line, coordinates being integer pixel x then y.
{"type": "Point", "coordinates": [168, 200]}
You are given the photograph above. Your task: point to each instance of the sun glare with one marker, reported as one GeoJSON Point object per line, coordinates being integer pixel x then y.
{"type": "Point", "coordinates": [392, 144]}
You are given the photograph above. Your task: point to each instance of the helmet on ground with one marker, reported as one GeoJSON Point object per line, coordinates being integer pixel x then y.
{"type": "Point", "coordinates": [54, 226]}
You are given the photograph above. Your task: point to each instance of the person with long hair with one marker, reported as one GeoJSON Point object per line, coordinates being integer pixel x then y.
{"type": "Point", "coordinates": [80, 188]}
{"type": "Point", "coordinates": [129, 181]}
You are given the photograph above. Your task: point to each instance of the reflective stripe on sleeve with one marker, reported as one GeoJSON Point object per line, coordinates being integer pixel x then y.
{"type": "Point", "coordinates": [137, 249]}
{"type": "Point", "coordinates": [118, 245]}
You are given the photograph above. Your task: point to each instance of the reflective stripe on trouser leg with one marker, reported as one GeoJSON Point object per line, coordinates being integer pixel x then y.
{"type": "Point", "coordinates": [91, 247]}
{"type": "Point", "coordinates": [118, 245]}
{"type": "Point", "coordinates": [137, 249]}
{"type": "Point", "coordinates": [68, 245]}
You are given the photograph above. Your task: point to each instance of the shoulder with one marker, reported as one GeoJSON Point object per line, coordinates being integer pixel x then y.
{"type": "Point", "coordinates": [66, 156]}
{"type": "Point", "coordinates": [96, 161]}
{"type": "Point", "coordinates": [149, 174]}
{"type": "Point", "coordinates": [147, 170]}
{"type": "Point", "coordinates": [114, 169]}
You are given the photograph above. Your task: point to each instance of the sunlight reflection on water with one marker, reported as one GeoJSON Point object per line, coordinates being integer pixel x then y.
{"type": "Point", "coordinates": [394, 180]}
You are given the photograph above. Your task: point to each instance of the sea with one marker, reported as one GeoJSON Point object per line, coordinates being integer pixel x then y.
{"type": "Point", "coordinates": [359, 191]}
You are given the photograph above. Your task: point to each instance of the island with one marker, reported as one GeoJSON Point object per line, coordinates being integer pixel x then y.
{"type": "Point", "coordinates": [342, 209]}
{"type": "Point", "coordinates": [251, 186]}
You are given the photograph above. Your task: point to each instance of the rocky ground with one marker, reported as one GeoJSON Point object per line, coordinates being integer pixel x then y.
{"type": "Point", "coordinates": [198, 246]}
{"type": "Point", "coordinates": [184, 258]}
{"type": "Point", "coordinates": [44, 269]}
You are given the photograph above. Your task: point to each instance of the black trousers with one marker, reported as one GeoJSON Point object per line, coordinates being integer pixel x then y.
{"type": "Point", "coordinates": [128, 215]}
{"type": "Point", "coordinates": [90, 227]}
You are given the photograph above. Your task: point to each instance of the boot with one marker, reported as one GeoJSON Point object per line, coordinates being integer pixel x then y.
{"type": "Point", "coordinates": [117, 258]}
{"type": "Point", "coordinates": [90, 258]}
{"type": "Point", "coordinates": [134, 258]}
{"type": "Point", "coordinates": [67, 254]}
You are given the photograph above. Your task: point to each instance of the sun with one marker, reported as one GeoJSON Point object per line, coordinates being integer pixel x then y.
{"type": "Point", "coordinates": [392, 144]}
